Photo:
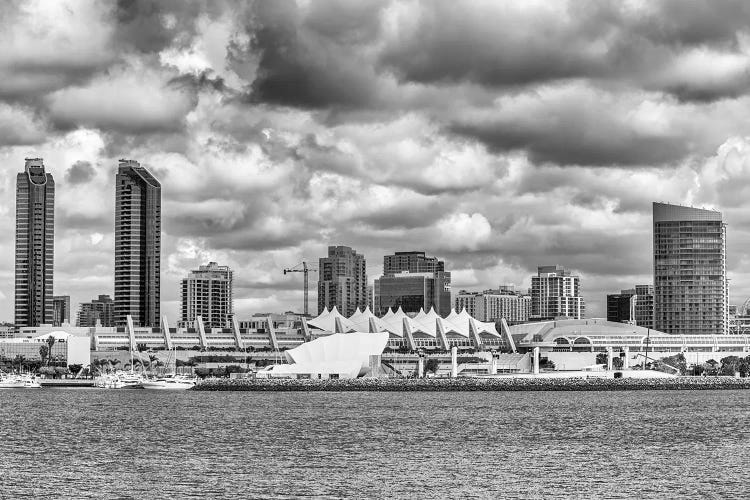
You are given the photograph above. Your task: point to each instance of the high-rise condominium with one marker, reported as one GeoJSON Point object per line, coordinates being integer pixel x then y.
{"type": "Point", "coordinates": [207, 292]}
{"type": "Point", "coordinates": [35, 238]}
{"type": "Point", "coordinates": [556, 293]}
{"type": "Point", "coordinates": [413, 281]}
{"type": "Point", "coordinates": [137, 245]}
{"type": "Point", "coordinates": [60, 309]}
{"type": "Point", "coordinates": [99, 310]}
{"type": "Point", "coordinates": [491, 305]}
{"type": "Point", "coordinates": [342, 280]}
{"type": "Point", "coordinates": [690, 280]}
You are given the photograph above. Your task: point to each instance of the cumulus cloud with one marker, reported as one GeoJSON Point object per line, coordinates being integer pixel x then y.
{"type": "Point", "coordinates": [464, 231]}
{"type": "Point", "coordinates": [19, 126]}
{"type": "Point", "coordinates": [131, 99]}
{"type": "Point", "coordinates": [80, 172]}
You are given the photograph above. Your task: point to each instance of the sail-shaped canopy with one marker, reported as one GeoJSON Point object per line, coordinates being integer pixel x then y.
{"type": "Point", "coordinates": [327, 322]}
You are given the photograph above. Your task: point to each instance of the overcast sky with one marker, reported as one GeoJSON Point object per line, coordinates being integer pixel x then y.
{"type": "Point", "coordinates": [498, 136]}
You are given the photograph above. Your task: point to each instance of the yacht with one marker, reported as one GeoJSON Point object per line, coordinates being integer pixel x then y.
{"type": "Point", "coordinates": [108, 381]}
{"type": "Point", "coordinates": [26, 381]}
{"type": "Point", "coordinates": [30, 382]}
{"type": "Point", "coordinates": [170, 382]}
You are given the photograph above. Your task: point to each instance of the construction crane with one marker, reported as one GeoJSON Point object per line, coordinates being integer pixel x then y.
{"type": "Point", "coordinates": [304, 269]}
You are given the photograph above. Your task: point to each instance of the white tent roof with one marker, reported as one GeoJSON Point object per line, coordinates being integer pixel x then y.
{"type": "Point", "coordinates": [424, 323]}
{"type": "Point", "coordinates": [453, 323]}
{"type": "Point", "coordinates": [393, 322]}
{"type": "Point", "coordinates": [327, 321]}
{"type": "Point", "coordinates": [361, 321]}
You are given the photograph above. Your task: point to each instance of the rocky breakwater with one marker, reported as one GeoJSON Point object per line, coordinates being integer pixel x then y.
{"type": "Point", "coordinates": [475, 384]}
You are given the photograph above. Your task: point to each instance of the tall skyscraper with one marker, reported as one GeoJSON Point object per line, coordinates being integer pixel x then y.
{"type": "Point", "coordinates": [60, 309]}
{"type": "Point", "coordinates": [207, 292]}
{"type": "Point", "coordinates": [690, 278]}
{"type": "Point", "coordinates": [137, 245]}
{"type": "Point", "coordinates": [101, 309]}
{"type": "Point", "coordinates": [556, 293]}
{"type": "Point", "coordinates": [35, 240]}
{"type": "Point", "coordinates": [342, 280]}
{"type": "Point", "coordinates": [621, 309]}
{"type": "Point", "coordinates": [413, 281]}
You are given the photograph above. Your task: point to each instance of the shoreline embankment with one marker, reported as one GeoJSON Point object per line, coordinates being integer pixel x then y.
{"type": "Point", "coordinates": [474, 384]}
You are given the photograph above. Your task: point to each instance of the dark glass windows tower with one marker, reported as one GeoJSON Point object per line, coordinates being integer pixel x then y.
{"type": "Point", "coordinates": [690, 280]}
{"type": "Point", "coordinates": [35, 239]}
{"type": "Point", "coordinates": [137, 245]}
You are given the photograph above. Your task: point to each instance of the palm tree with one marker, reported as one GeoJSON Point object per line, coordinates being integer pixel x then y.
{"type": "Point", "coordinates": [20, 360]}
{"type": "Point", "coordinates": [50, 342]}
{"type": "Point", "coordinates": [43, 352]}
{"type": "Point", "coordinates": [113, 363]}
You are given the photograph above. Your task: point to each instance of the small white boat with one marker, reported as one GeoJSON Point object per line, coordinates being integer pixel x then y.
{"type": "Point", "coordinates": [30, 382]}
{"type": "Point", "coordinates": [170, 382]}
{"type": "Point", "coordinates": [8, 381]}
{"type": "Point", "coordinates": [108, 381]}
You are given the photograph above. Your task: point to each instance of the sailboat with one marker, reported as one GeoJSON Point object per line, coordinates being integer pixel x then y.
{"type": "Point", "coordinates": [120, 379]}
{"type": "Point", "coordinates": [170, 381]}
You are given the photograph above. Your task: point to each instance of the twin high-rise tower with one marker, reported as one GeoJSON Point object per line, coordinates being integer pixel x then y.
{"type": "Point", "coordinates": [35, 243]}
{"type": "Point", "coordinates": [137, 245]}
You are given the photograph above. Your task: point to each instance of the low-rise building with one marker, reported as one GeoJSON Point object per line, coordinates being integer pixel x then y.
{"type": "Point", "coordinates": [634, 305]}
{"type": "Point", "coordinates": [100, 311]}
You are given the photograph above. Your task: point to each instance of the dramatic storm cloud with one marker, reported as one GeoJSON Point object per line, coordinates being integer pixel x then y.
{"type": "Point", "coordinates": [499, 136]}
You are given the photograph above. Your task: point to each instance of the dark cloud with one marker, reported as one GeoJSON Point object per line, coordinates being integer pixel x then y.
{"type": "Point", "coordinates": [507, 45]}
{"type": "Point", "coordinates": [150, 26]}
{"type": "Point", "coordinates": [80, 172]}
{"type": "Point", "coordinates": [311, 66]}
{"type": "Point", "coordinates": [201, 81]}
{"type": "Point", "coordinates": [573, 126]}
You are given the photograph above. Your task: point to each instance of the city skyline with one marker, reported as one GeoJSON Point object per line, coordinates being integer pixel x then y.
{"type": "Point", "coordinates": [452, 153]}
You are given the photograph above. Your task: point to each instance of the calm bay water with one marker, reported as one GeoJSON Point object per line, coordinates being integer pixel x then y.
{"type": "Point", "coordinates": [87, 443]}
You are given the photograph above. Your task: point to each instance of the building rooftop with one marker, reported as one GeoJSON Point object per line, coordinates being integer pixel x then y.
{"type": "Point", "coordinates": [665, 212]}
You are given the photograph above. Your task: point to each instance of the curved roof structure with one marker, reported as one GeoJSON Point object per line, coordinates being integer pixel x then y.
{"type": "Point", "coordinates": [585, 332]}
{"type": "Point", "coordinates": [346, 355]}
{"type": "Point", "coordinates": [57, 335]}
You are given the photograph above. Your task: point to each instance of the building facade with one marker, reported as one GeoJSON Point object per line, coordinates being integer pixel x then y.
{"type": "Point", "coordinates": [413, 281]}
{"type": "Point", "coordinates": [634, 305]}
{"type": "Point", "coordinates": [207, 292]}
{"type": "Point", "coordinates": [100, 310]}
{"type": "Point", "coordinates": [556, 293]}
{"type": "Point", "coordinates": [690, 280]}
{"type": "Point", "coordinates": [492, 305]}
{"type": "Point", "coordinates": [35, 240]}
{"type": "Point", "coordinates": [60, 309]}
{"type": "Point", "coordinates": [137, 245]}
{"type": "Point", "coordinates": [342, 280]}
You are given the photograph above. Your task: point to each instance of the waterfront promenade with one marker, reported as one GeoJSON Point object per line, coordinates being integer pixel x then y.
{"type": "Point", "coordinates": [474, 384]}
